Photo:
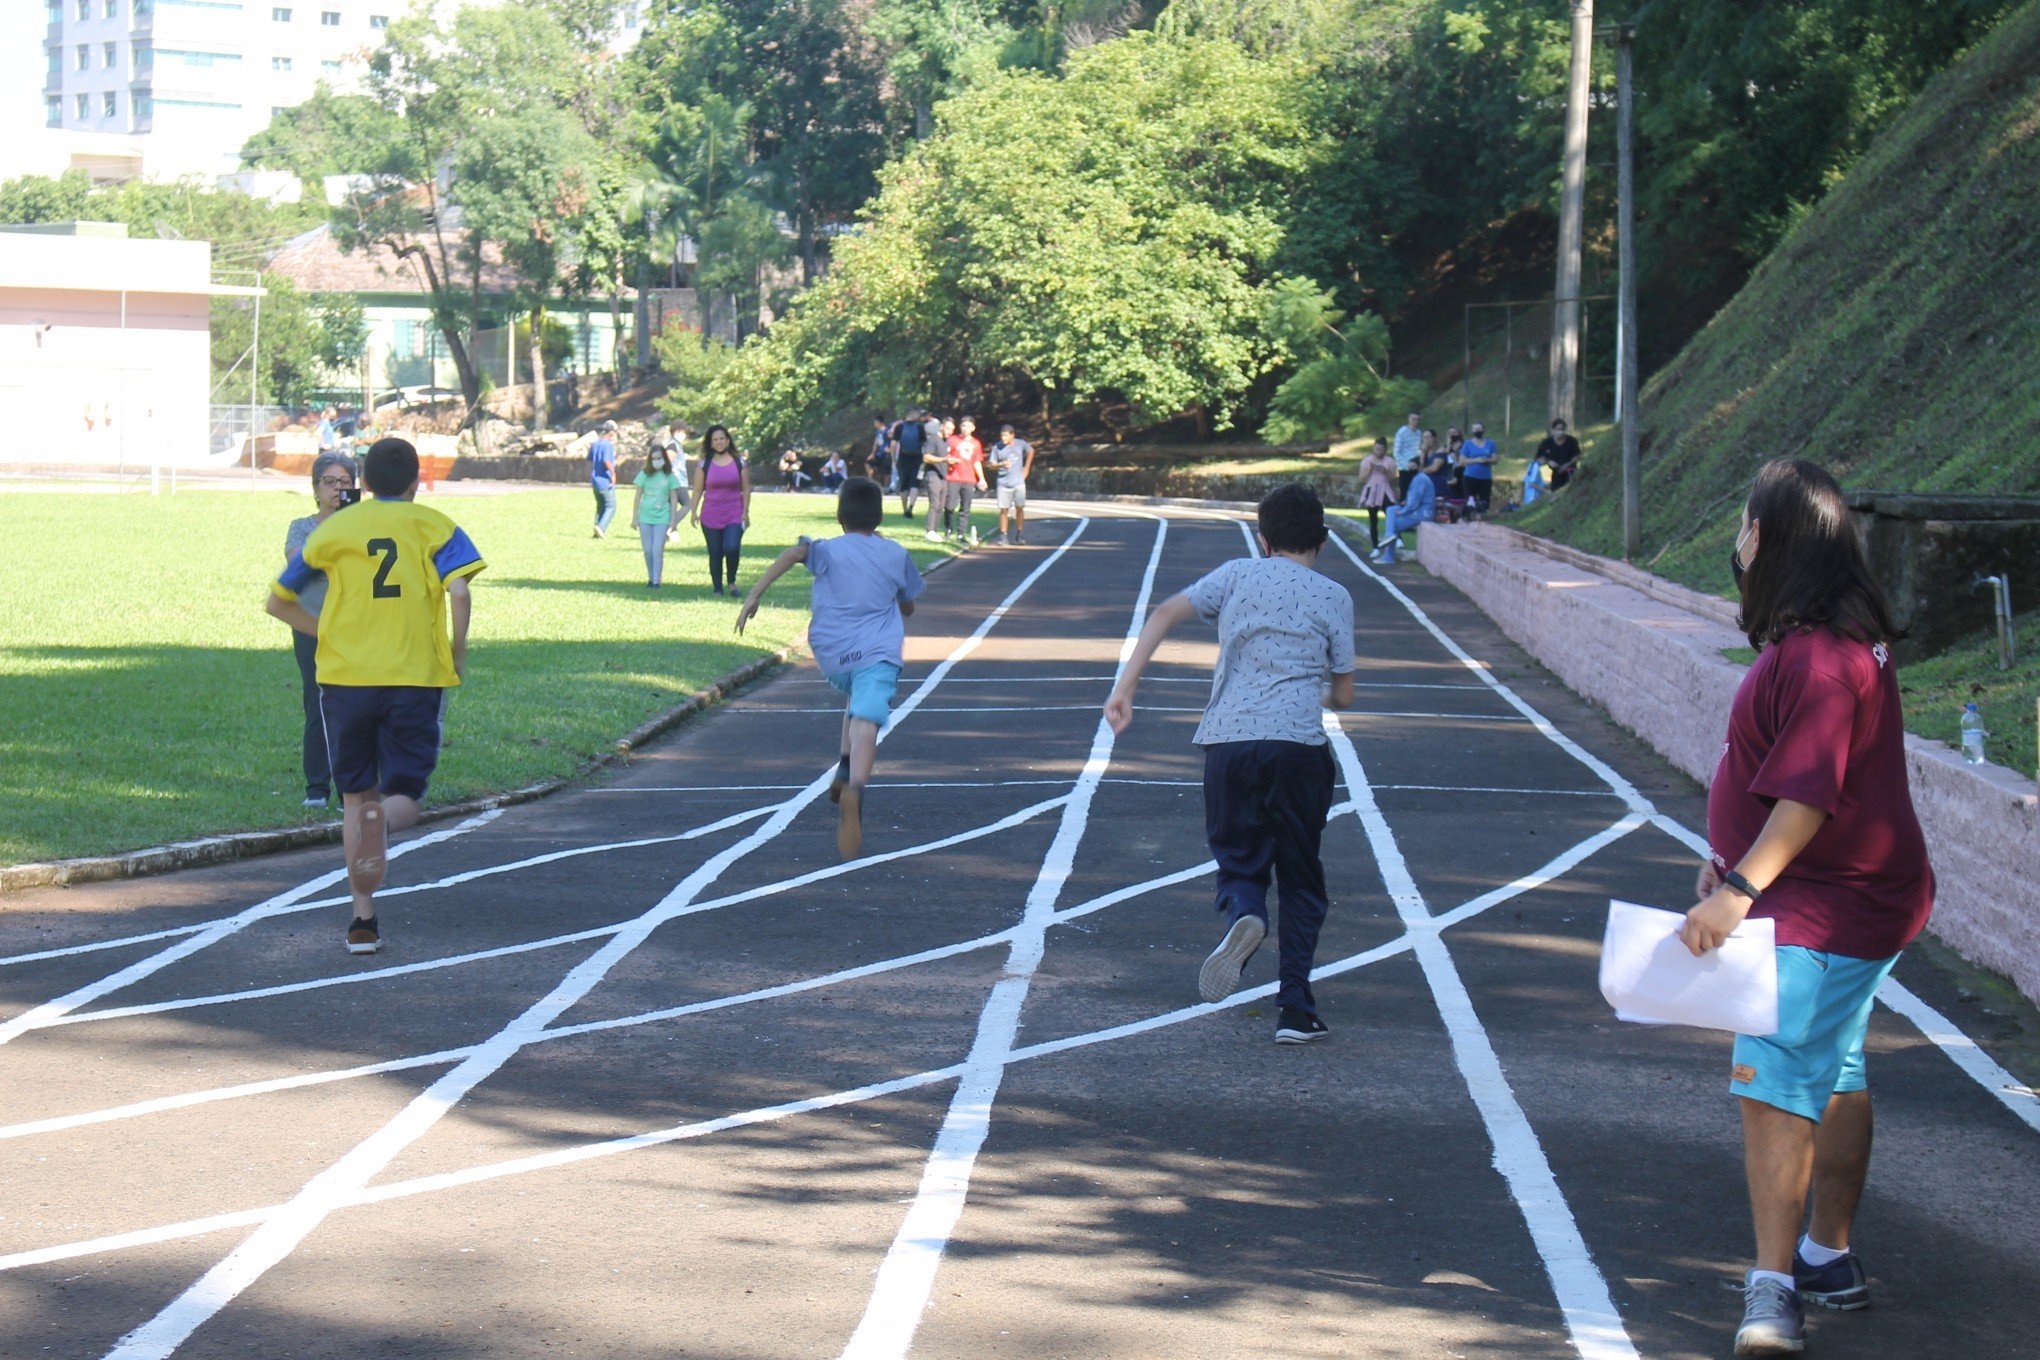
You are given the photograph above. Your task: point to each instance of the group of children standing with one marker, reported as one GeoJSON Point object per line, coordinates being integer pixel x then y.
{"type": "Point", "coordinates": [945, 459]}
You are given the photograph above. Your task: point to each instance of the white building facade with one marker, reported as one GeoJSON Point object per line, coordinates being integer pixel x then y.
{"type": "Point", "coordinates": [195, 79]}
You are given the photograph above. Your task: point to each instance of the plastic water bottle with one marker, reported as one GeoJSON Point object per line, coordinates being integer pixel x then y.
{"type": "Point", "coordinates": [1972, 735]}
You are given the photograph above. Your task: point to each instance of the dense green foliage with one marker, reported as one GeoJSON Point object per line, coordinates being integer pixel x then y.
{"type": "Point", "coordinates": [1113, 234]}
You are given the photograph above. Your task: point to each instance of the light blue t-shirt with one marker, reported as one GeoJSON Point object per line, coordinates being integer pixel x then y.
{"type": "Point", "coordinates": [1478, 448]}
{"type": "Point", "coordinates": [860, 582]}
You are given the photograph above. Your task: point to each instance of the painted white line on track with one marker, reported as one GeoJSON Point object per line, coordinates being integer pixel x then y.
{"type": "Point", "coordinates": [772, 889]}
{"type": "Point", "coordinates": [1590, 1316]}
{"type": "Point", "coordinates": [1537, 878]}
{"type": "Point", "coordinates": [49, 1012]}
{"type": "Point", "coordinates": [1051, 708]}
{"type": "Point", "coordinates": [923, 784]}
{"type": "Point", "coordinates": [1479, 788]}
{"type": "Point", "coordinates": [280, 1233]}
{"type": "Point", "coordinates": [899, 1296]}
{"type": "Point", "coordinates": [450, 881]}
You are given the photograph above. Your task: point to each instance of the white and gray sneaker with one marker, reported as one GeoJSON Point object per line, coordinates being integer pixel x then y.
{"type": "Point", "coordinates": [1773, 1323]}
{"type": "Point", "coordinates": [1221, 971]}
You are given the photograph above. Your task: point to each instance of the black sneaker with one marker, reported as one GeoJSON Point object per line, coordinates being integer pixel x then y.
{"type": "Point", "coordinates": [1221, 971]}
{"type": "Point", "coordinates": [1840, 1284]}
{"type": "Point", "coordinates": [1299, 1027]}
{"type": "Point", "coordinates": [363, 937]}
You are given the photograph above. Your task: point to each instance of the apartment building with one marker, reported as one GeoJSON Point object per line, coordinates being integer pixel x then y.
{"type": "Point", "coordinates": [194, 79]}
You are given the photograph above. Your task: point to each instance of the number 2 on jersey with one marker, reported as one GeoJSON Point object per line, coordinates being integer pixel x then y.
{"type": "Point", "coordinates": [386, 549]}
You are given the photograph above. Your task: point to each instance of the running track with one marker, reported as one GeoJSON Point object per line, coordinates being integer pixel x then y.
{"type": "Point", "coordinates": [643, 1071]}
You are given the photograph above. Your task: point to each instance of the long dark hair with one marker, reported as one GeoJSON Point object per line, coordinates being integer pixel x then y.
{"type": "Point", "coordinates": [708, 444]}
{"type": "Point", "coordinates": [1809, 569]}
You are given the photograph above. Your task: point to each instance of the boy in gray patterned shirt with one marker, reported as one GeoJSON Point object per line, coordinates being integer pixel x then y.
{"type": "Point", "coordinates": [1283, 631]}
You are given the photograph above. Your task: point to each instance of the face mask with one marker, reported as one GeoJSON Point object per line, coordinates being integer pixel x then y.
{"type": "Point", "coordinates": [1735, 562]}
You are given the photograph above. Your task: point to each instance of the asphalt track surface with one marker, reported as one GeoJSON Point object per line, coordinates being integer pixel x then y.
{"type": "Point", "coordinates": [644, 1071]}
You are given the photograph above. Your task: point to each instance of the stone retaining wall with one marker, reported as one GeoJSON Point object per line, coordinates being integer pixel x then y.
{"type": "Point", "coordinates": [1658, 669]}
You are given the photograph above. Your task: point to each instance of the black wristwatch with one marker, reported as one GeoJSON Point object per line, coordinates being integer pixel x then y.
{"type": "Point", "coordinates": [1734, 880]}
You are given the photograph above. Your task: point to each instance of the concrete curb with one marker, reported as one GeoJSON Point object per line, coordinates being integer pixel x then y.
{"type": "Point", "coordinates": [238, 845]}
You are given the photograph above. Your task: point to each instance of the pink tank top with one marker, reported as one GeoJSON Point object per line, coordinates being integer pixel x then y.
{"type": "Point", "coordinates": [722, 494]}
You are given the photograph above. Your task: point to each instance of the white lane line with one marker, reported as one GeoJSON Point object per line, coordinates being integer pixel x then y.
{"type": "Point", "coordinates": [1005, 823]}
{"type": "Point", "coordinates": [940, 784]}
{"type": "Point", "coordinates": [1455, 717]}
{"type": "Point", "coordinates": [280, 1233]}
{"type": "Point", "coordinates": [899, 1295]}
{"type": "Point", "coordinates": [1480, 788]}
{"type": "Point", "coordinates": [1937, 1028]}
{"type": "Point", "coordinates": [1055, 708]}
{"type": "Point", "coordinates": [1402, 944]}
{"type": "Point", "coordinates": [1590, 1316]}
{"type": "Point", "coordinates": [49, 1012]}
{"type": "Point", "coordinates": [268, 1086]}
{"type": "Point", "coordinates": [450, 881]}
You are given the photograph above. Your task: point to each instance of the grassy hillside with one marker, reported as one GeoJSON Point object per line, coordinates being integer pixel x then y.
{"type": "Point", "coordinates": [1894, 336]}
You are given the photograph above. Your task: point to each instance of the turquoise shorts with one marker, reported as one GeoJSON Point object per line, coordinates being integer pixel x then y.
{"type": "Point", "coordinates": [871, 689]}
{"type": "Point", "coordinates": [1824, 1005]}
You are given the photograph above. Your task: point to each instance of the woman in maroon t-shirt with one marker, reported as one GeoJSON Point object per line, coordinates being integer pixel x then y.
{"type": "Point", "coordinates": [1810, 823]}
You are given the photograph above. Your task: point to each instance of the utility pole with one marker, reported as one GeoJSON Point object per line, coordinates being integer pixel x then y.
{"type": "Point", "coordinates": [1565, 308]}
{"type": "Point", "coordinates": [1626, 409]}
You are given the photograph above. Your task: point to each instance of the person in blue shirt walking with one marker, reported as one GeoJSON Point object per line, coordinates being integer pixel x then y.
{"type": "Point", "coordinates": [602, 476]}
{"type": "Point", "coordinates": [1420, 506]}
{"type": "Point", "coordinates": [1477, 467]}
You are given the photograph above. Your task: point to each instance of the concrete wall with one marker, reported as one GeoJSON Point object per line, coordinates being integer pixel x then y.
{"type": "Point", "coordinates": [1654, 661]}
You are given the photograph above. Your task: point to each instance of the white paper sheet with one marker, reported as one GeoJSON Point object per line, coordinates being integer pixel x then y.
{"type": "Point", "coordinates": [1650, 978]}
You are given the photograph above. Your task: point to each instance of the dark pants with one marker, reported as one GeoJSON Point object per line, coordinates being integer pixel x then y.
{"type": "Point", "coordinates": [1403, 480]}
{"type": "Point", "coordinates": [1480, 491]}
{"type": "Point", "coordinates": [725, 545]}
{"type": "Point", "coordinates": [1265, 804]}
{"type": "Point", "coordinates": [1373, 524]}
{"type": "Point", "coordinates": [318, 766]}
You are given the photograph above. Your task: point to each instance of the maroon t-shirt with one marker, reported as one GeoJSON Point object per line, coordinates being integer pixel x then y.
{"type": "Point", "coordinates": [1817, 721]}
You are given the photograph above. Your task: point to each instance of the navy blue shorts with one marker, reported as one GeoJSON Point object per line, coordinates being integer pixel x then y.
{"type": "Point", "coordinates": [382, 735]}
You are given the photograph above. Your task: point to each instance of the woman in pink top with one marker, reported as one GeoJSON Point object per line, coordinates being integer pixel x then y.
{"type": "Point", "coordinates": [1377, 487]}
{"type": "Point", "coordinates": [722, 504]}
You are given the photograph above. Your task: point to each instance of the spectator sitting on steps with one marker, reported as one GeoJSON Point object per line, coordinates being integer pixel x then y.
{"type": "Point", "coordinates": [791, 471]}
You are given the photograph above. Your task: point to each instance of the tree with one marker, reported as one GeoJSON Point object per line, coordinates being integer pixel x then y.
{"type": "Point", "coordinates": [328, 134]}
{"type": "Point", "coordinates": [1113, 235]}
{"type": "Point", "coordinates": [474, 169]}
{"type": "Point", "coordinates": [304, 340]}
{"type": "Point", "coordinates": [1341, 375]}
{"type": "Point", "coordinates": [694, 365]}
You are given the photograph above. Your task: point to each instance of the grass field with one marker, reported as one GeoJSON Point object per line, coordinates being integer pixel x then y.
{"type": "Point", "coordinates": [145, 697]}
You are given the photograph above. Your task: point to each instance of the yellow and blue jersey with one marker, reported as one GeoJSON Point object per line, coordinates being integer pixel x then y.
{"type": "Point", "coordinates": [386, 564]}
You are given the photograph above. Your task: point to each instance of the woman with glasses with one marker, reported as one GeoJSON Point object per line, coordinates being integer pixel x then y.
{"type": "Point", "coordinates": [332, 479]}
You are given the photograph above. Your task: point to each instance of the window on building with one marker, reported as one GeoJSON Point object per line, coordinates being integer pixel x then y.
{"type": "Point", "coordinates": [276, 110]}
{"type": "Point", "coordinates": [145, 106]}
{"type": "Point", "coordinates": [53, 110]}
{"type": "Point", "coordinates": [329, 66]}
{"type": "Point", "coordinates": [378, 22]}
{"type": "Point", "coordinates": [56, 61]}
{"type": "Point", "coordinates": [110, 57]}
{"type": "Point", "coordinates": [84, 56]}
{"type": "Point", "coordinates": [84, 106]}
{"type": "Point", "coordinates": [145, 56]}
{"type": "Point", "coordinates": [279, 63]}
{"type": "Point", "coordinates": [280, 13]}
{"type": "Point", "coordinates": [84, 10]}
{"type": "Point", "coordinates": [55, 12]}
{"type": "Point", "coordinates": [112, 8]}
{"type": "Point", "coordinates": [110, 106]}
{"type": "Point", "coordinates": [330, 18]}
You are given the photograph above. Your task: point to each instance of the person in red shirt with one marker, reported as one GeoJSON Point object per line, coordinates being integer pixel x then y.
{"type": "Point", "coordinates": [1810, 823]}
{"type": "Point", "coordinates": [966, 477]}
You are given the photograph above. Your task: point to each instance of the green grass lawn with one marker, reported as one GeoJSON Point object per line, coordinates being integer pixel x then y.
{"type": "Point", "coordinates": [145, 697]}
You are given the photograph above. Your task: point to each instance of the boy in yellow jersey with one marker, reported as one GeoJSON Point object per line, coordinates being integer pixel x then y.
{"type": "Point", "coordinates": [384, 659]}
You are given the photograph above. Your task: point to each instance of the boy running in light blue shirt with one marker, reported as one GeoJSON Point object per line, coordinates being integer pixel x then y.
{"type": "Point", "coordinates": [864, 591]}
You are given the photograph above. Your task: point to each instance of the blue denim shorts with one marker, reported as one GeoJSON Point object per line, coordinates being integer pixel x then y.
{"type": "Point", "coordinates": [1824, 1005]}
{"type": "Point", "coordinates": [871, 690]}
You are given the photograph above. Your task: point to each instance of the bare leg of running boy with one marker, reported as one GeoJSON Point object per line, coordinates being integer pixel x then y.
{"type": "Point", "coordinates": [364, 833]}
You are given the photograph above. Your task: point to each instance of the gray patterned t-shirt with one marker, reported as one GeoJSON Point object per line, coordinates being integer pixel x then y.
{"type": "Point", "coordinates": [1283, 630]}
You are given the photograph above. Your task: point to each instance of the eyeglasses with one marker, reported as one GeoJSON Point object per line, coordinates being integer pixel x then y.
{"type": "Point", "coordinates": [340, 483]}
